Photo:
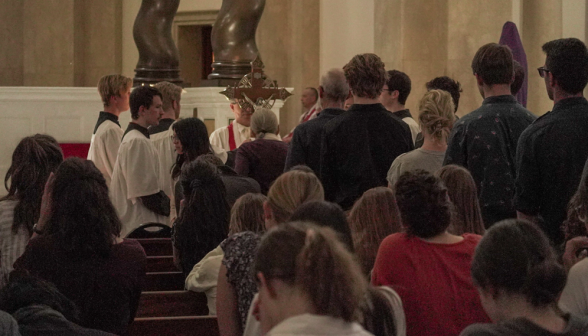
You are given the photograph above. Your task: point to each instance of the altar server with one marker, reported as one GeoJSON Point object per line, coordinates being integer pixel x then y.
{"type": "Point", "coordinates": [231, 137]}
{"type": "Point", "coordinates": [114, 91]}
{"type": "Point", "coordinates": [136, 189]}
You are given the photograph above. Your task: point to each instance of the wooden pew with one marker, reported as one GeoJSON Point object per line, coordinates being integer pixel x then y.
{"type": "Point", "coordinates": [157, 246]}
{"type": "Point", "coordinates": [174, 326]}
{"type": "Point", "coordinates": [161, 264]}
{"type": "Point", "coordinates": [172, 303]}
{"type": "Point", "coordinates": [163, 281]}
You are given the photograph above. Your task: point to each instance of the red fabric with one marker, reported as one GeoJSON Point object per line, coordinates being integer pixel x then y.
{"type": "Point", "coordinates": [433, 281]}
{"type": "Point", "coordinates": [75, 150]}
{"type": "Point", "coordinates": [232, 143]}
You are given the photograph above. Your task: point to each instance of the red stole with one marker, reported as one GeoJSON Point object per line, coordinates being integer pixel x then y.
{"type": "Point", "coordinates": [232, 143]}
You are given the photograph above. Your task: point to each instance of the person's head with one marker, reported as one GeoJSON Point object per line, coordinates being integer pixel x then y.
{"type": "Point", "coordinates": [514, 260]}
{"type": "Point", "coordinates": [115, 91]}
{"type": "Point", "coordinates": [493, 65]}
{"type": "Point", "coordinates": [146, 105]}
{"type": "Point", "coordinates": [334, 88]}
{"type": "Point", "coordinates": [247, 214]}
{"type": "Point", "coordinates": [309, 97]}
{"type": "Point", "coordinates": [171, 94]}
{"type": "Point", "coordinates": [242, 111]}
{"type": "Point", "coordinates": [446, 84]}
{"type": "Point", "coordinates": [424, 206]}
{"type": "Point", "coordinates": [33, 159]}
{"type": "Point", "coordinates": [576, 223]}
{"type": "Point", "coordinates": [373, 217]}
{"type": "Point", "coordinates": [323, 213]}
{"type": "Point", "coordinates": [366, 76]}
{"type": "Point", "coordinates": [519, 78]}
{"type": "Point", "coordinates": [305, 265]}
{"type": "Point", "coordinates": [397, 89]}
{"type": "Point", "coordinates": [83, 220]}
{"type": "Point", "coordinates": [204, 219]}
{"type": "Point", "coordinates": [212, 159]}
{"type": "Point", "coordinates": [566, 66]}
{"type": "Point", "coordinates": [436, 115]}
{"type": "Point", "coordinates": [462, 192]}
{"type": "Point", "coordinates": [190, 139]}
{"type": "Point", "coordinates": [24, 291]}
{"type": "Point", "coordinates": [303, 168]}
{"type": "Point", "coordinates": [264, 121]}
{"type": "Point", "coordinates": [288, 192]}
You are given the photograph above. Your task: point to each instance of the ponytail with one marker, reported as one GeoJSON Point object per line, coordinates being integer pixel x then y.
{"type": "Point", "coordinates": [312, 259]}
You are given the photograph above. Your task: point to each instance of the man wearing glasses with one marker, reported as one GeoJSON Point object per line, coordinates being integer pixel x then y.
{"type": "Point", "coordinates": [485, 140]}
{"type": "Point", "coordinates": [552, 152]}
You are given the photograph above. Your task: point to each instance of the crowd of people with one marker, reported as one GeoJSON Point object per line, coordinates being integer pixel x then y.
{"type": "Point", "coordinates": [366, 219]}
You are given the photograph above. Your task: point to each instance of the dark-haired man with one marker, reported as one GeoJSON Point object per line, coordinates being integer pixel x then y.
{"type": "Point", "coordinates": [136, 190]}
{"type": "Point", "coordinates": [485, 140]}
{"type": "Point", "coordinates": [552, 152]}
{"type": "Point", "coordinates": [359, 146]}
{"type": "Point", "coordinates": [446, 84]}
{"type": "Point", "coordinates": [394, 97]}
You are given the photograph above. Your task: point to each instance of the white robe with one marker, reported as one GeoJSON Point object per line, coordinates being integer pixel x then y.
{"type": "Point", "coordinates": [220, 137]}
{"type": "Point", "coordinates": [104, 148]}
{"type": "Point", "coordinates": [167, 157]}
{"type": "Point", "coordinates": [136, 174]}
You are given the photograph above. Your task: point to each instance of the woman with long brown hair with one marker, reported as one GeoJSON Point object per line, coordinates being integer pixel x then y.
{"type": "Point", "coordinates": [33, 160]}
{"type": "Point", "coordinates": [373, 217]}
{"type": "Point", "coordinates": [462, 192]}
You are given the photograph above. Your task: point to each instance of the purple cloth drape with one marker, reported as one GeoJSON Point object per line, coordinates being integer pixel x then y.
{"type": "Point", "coordinates": [510, 37]}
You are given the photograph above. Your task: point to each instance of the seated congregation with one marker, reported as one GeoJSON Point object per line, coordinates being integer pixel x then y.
{"type": "Point", "coordinates": [434, 225]}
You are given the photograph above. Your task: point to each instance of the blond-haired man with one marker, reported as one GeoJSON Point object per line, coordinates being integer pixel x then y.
{"type": "Point", "coordinates": [114, 91]}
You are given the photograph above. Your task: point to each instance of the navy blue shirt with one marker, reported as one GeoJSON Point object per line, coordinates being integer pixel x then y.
{"type": "Point", "coordinates": [305, 147]}
{"type": "Point", "coordinates": [358, 148]}
{"type": "Point", "coordinates": [485, 142]}
{"type": "Point", "coordinates": [550, 158]}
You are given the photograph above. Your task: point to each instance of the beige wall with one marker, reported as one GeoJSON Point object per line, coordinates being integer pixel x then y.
{"type": "Point", "coordinates": [11, 43]}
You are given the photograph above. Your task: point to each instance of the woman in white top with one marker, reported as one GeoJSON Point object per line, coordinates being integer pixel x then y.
{"type": "Point", "coordinates": [33, 160]}
{"type": "Point", "coordinates": [436, 119]}
{"type": "Point", "coordinates": [309, 284]}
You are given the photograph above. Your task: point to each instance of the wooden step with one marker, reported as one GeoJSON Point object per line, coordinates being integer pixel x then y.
{"type": "Point", "coordinates": [157, 246]}
{"type": "Point", "coordinates": [172, 303]}
{"type": "Point", "coordinates": [161, 264]}
{"type": "Point", "coordinates": [174, 326]}
{"type": "Point", "coordinates": [163, 281]}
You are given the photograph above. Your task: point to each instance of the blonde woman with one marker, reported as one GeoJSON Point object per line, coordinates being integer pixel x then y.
{"type": "Point", "coordinates": [436, 119]}
{"type": "Point", "coordinates": [264, 158]}
{"type": "Point", "coordinates": [236, 287]}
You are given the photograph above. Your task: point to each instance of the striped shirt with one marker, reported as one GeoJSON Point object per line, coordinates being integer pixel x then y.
{"type": "Point", "coordinates": [12, 245]}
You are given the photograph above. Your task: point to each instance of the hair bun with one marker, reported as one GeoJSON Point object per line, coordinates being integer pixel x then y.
{"type": "Point", "coordinates": [544, 283]}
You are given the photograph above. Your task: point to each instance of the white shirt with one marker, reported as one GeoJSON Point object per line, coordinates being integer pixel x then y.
{"type": "Point", "coordinates": [167, 157]}
{"type": "Point", "coordinates": [415, 129]}
{"type": "Point", "coordinates": [220, 137]}
{"type": "Point", "coordinates": [317, 325]}
{"type": "Point", "coordinates": [104, 148]}
{"type": "Point", "coordinates": [12, 245]}
{"type": "Point", "coordinates": [136, 174]}
{"type": "Point", "coordinates": [204, 277]}
{"type": "Point", "coordinates": [574, 298]}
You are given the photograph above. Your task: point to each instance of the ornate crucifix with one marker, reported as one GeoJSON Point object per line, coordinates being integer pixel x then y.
{"type": "Point", "coordinates": [255, 89]}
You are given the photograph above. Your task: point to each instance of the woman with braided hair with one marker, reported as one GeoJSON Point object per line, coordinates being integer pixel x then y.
{"type": "Point", "coordinates": [436, 119]}
{"type": "Point", "coordinates": [76, 245]}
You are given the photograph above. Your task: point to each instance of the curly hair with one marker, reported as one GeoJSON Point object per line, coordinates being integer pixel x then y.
{"type": "Point", "coordinates": [436, 116]}
{"type": "Point", "coordinates": [446, 84]}
{"type": "Point", "coordinates": [83, 220]}
{"type": "Point", "coordinates": [33, 159]}
{"type": "Point", "coordinates": [567, 60]}
{"type": "Point", "coordinates": [366, 75]}
{"type": "Point", "coordinates": [424, 206]}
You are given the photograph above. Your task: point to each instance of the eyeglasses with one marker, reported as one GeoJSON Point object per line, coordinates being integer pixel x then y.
{"type": "Point", "coordinates": [542, 71]}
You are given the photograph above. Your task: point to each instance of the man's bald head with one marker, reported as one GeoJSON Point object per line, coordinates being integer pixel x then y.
{"type": "Point", "coordinates": [334, 86]}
